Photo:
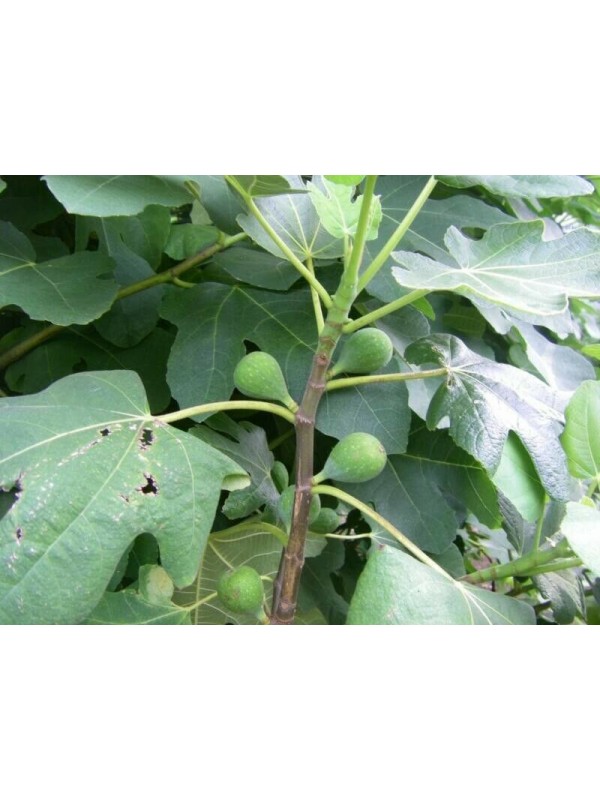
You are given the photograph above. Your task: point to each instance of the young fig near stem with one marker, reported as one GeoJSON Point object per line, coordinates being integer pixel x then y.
{"type": "Point", "coordinates": [358, 457]}
{"type": "Point", "coordinates": [326, 522]}
{"type": "Point", "coordinates": [365, 351]}
{"type": "Point", "coordinates": [285, 506]}
{"type": "Point", "coordinates": [241, 591]}
{"type": "Point", "coordinates": [258, 375]}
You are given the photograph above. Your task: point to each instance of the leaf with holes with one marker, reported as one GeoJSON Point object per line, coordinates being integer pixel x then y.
{"type": "Point", "coordinates": [485, 400]}
{"type": "Point", "coordinates": [511, 267]}
{"type": "Point", "coordinates": [71, 289]}
{"type": "Point", "coordinates": [91, 469]}
{"type": "Point", "coordinates": [395, 589]}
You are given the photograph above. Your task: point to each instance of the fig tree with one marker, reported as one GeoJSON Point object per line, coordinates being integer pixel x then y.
{"type": "Point", "coordinates": [241, 591]}
{"type": "Point", "coordinates": [365, 351]}
{"type": "Point", "coordinates": [358, 457]}
{"type": "Point", "coordinates": [258, 375]}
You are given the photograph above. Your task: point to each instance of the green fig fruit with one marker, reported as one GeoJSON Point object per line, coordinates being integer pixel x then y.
{"type": "Point", "coordinates": [358, 457]}
{"type": "Point", "coordinates": [286, 506]}
{"type": "Point", "coordinates": [241, 591]}
{"type": "Point", "coordinates": [280, 476]}
{"type": "Point", "coordinates": [326, 522]}
{"type": "Point", "coordinates": [365, 351]}
{"type": "Point", "coordinates": [258, 375]}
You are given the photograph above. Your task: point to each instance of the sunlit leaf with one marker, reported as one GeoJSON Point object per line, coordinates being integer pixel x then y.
{"type": "Point", "coordinates": [339, 211]}
{"type": "Point", "coordinates": [581, 526]}
{"type": "Point", "coordinates": [295, 220]}
{"type": "Point", "coordinates": [581, 437]}
{"type": "Point", "coordinates": [511, 266]}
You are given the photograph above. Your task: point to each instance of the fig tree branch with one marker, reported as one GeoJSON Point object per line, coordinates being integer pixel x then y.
{"type": "Point", "coordinates": [22, 348]}
{"type": "Point", "coordinates": [397, 235]}
{"type": "Point", "coordinates": [361, 380]}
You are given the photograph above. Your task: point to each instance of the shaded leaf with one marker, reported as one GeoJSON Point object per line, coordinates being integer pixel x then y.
{"type": "Point", "coordinates": [222, 203]}
{"type": "Point", "coordinates": [456, 473]}
{"type": "Point", "coordinates": [247, 445]}
{"type": "Point", "coordinates": [405, 495]}
{"type": "Point", "coordinates": [564, 590]}
{"type": "Point", "coordinates": [374, 408]}
{"type": "Point", "coordinates": [72, 289]}
{"type": "Point", "coordinates": [257, 268]}
{"type": "Point", "coordinates": [132, 318]}
{"type": "Point", "coordinates": [213, 321]}
{"type": "Point", "coordinates": [395, 589]}
{"type": "Point", "coordinates": [519, 532]}
{"type": "Point", "coordinates": [27, 202]}
{"type": "Point", "coordinates": [318, 586]}
{"type": "Point", "coordinates": [187, 240]}
{"type": "Point", "coordinates": [530, 186]}
{"type": "Point", "coordinates": [117, 195]}
{"type": "Point", "coordinates": [93, 469]}
{"type": "Point", "coordinates": [79, 347]}
{"type": "Point", "coordinates": [511, 266]}
{"type": "Point", "coordinates": [485, 400]}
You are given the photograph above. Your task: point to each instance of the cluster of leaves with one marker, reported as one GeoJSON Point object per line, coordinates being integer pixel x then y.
{"type": "Point", "coordinates": [126, 304]}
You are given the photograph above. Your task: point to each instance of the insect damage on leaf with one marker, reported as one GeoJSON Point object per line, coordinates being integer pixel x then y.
{"type": "Point", "coordinates": [150, 487]}
{"type": "Point", "coordinates": [146, 439]}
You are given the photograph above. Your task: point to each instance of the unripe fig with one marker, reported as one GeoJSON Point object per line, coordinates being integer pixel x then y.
{"type": "Point", "coordinates": [241, 591]}
{"type": "Point", "coordinates": [286, 506]}
{"type": "Point", "coordinates": [280, 476]}
{"type": "Point", "coordinates": [258, 375]}
{"type": "Point", "coordinates": [365, 351]}
{"type": "Point", "coordinates": [358, 457]}
{"type": "Point", "coordinates": [326, 522]}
